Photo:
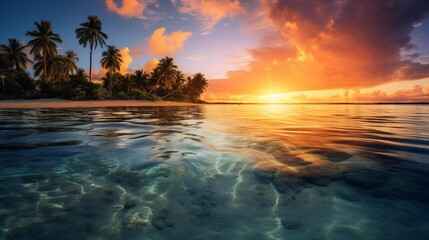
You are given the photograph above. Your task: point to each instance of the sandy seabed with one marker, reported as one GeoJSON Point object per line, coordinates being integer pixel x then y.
{"type": "Point", "coordinates": [60, 103]}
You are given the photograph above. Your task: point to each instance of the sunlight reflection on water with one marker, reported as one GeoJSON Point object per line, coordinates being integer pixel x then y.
{"type": "Point", "coordinates": [215, 172]}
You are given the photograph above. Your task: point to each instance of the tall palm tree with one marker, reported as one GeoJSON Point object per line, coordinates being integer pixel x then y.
{"type": "Point", "coordinates": [70, 59]}
{"type": "Point", "coordinates": [14, 53]}
{"type": "Point", "coordinates": [165, 71]}
{"type": "Point", "coordinates": [196, 86]}
{"type": "Point", "coordinates": [43, 43]}
{"type": "Point", "coordinates": [111, 60]}
{"type": "Point", "coordinates": [90, 32]}
{"type": "Point", "coordinates": [140, 80]}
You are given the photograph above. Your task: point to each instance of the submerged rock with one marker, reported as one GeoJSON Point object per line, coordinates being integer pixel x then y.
{"type": "Point", "coordinates": [162, 222]}
{"type": "Point", "coordinates": [321, 175]}
{"type": "Point", "coordinates": [332, 155]}
{"type": "Point", "coordinates": [291, 224]}
{"type": "Point", "coordinates": [285, 182]}
{"type": "Point", "coordinates": [161, 219]}
{"type": "Point", "coordinates": [366, 177]}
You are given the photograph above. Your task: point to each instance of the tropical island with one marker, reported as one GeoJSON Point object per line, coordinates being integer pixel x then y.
{"type": "Point", "coordinates": [58, 76]}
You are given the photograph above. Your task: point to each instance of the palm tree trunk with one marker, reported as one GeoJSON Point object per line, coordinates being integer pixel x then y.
{"type": "Point", "coordinates": [4, 85]}
{"type": "Point", "coordinates": [110, 82]}
{"type": "Point", "coordinates": [44, 65]}
{"type": "Point", "coordinates": [157, 82]}
{"type": "Point", "coordinates": [175, 90]}
{"type": "Point", "coordinates": [90, 63]}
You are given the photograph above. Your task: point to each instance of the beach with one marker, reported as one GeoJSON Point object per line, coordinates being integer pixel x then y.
{"type": "Point", "coordinates": [61, 103]}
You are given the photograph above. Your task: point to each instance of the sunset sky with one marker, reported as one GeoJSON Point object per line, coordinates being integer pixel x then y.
{"type": "Point", "coordinates": [256, 51]}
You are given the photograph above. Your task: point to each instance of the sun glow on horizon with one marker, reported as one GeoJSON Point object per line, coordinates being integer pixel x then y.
{"type": "Point", "coordinates": [274, 98]}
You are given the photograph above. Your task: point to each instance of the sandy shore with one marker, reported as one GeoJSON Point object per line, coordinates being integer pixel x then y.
{"type": "Point", "coordinates": [60, 103]}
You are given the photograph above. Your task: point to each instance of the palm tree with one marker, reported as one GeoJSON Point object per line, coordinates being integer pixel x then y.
{"type": "Point", "coordinates": [140, 80]}
{"type": "Point", "coordinates": [43, 43]}
{"type": "Point", "coordinates": [112, 60]}
{"type": "Point", "coordinates": [127, 82]}
{"type": "Point", "coordinates": [196, 86]}
{"type": "Point", "coordinates": [179, 83]}
{"type": "Point", "coordinates": [110, 80]}
{"type": "Point", "coordinates": [14, 53]}
{"type": "Point", "coordinates": [80, 74]}
{"type": "Point", "coordinates": [90, 32]}
{"type": "Point", "coordinates": [54, 66]}
{"type": "Point", "coordinates": [165, 71]}
{"type": "Point", "coordinates": [70, 60]}
{"type": "Point", "coordinates": [79, 77]}
{"type": "Point", "coordinates": [4, 67]}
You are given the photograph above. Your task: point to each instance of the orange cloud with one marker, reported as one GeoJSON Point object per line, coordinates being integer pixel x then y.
{"type": "Point", "coordinates": [162, 44]}
{"type": "Point", "coordinates": [415, 94]}
{"type": "Point", "coordinates": [97, 75]}
{"type": "Point", "coordinates": [137, 50]}
{"type": "Point", "coordinates": [330, 44]}
{"type": "Point", "coordinates": [126, 60]}
{"type": "Point", "coordinates": [210, 12]}
{"type": "Point", "coordinates": [150, 65]}
{"type": "Point", "coordinates": [130, 8]}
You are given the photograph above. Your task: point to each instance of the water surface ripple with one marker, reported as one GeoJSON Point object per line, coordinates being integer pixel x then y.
{"type": "Point", "coordinates": [215, 172]}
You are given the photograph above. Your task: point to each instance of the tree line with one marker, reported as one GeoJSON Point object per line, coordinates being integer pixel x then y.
{"type": "Point", "coordinates": [59, 76]}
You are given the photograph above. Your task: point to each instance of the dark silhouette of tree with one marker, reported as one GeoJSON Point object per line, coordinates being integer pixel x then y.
{"type": "Point", "coordinates": [52, 66]}
{"type": "Point", "coordinates": [43, 44]}
{"type": "Point", "coordinates": [14, 54]}
{"type": "Point", "coordinates": [164, 73]}
{"type": "Point", "coordinates": [110, 81]}
{"type": "Point", "coordinates": [70, 59]}
{"type": "Point", "coordinates": [91, 33]}
{"type": "Point", "coordinates": [196, 86]}
{"type": "Point", "coordinates": [178, 83]}
{"type": "Point", "coordinates": [111, 61]}
{"type": "Point", "coordinates": [140, 80]}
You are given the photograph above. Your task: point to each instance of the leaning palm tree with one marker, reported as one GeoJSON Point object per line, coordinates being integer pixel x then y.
{"type": "Point", "coordinates": [165, 71]}
{"type": "Point", "coordinates": [178, 84]}
{"type": "Point", "coordinates": [14, 53]}
{"type": "Point", "coordinates": [70, 59]}
{"type": "Point", "coordinates": [43, 43]}
{"type": "Point", "coordinates": [111, 60]}
{"type": "Point", "coordinates": [90, 32]}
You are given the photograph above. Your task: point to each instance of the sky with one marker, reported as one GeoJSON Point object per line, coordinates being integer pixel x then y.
{"type": "Point", "coordinates": [289, 51]}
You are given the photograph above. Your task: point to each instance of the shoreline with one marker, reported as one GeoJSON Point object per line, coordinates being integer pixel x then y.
{"type": "Point", "coordinates": [61, 103]}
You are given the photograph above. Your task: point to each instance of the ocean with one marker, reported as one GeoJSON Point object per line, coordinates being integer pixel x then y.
{"type": "Point", "coordinates": [248, 171]}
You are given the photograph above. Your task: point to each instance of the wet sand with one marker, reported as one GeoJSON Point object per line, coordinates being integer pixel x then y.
{"type": "Point", "coordinates": [60, 103]}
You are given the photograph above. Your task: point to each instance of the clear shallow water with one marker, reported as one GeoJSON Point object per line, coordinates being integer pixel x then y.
{"type": "Point", "coordinates": [215, 172]}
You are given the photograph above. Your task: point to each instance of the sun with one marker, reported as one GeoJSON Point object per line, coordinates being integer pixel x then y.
{"type": "Point", "coordinates": [273, 98]}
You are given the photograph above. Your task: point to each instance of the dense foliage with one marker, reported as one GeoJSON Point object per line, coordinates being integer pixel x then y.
{"type": "Point", "coordinates": [57, 75]}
